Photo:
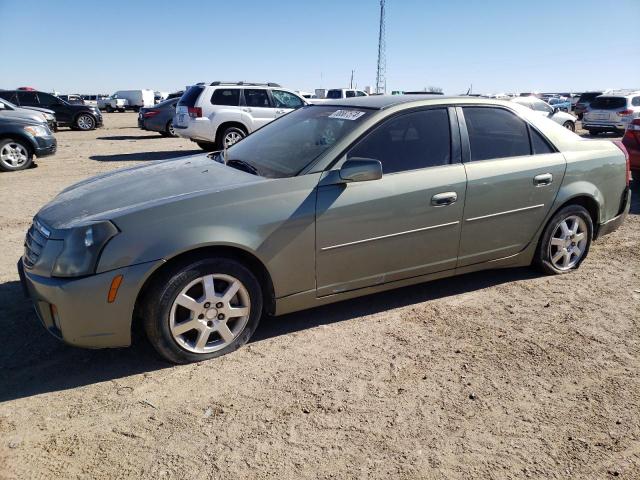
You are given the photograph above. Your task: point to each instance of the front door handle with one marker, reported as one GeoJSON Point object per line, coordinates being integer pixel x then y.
{"type": "Point", "coordinates": [543, 179]}
{"type": "Point", "coordinates": [444, 199]}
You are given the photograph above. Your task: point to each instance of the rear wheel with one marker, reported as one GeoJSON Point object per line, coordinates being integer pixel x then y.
{"type": "Point", "coordinates": [202, 310]}
{"type": "Point", "coordinates": [565, 241]}
{"type": "Point", "coordinates": [232, 135]}
{"type": "Point", "coordinates": [14, 155]}
{"type": "Point", "coordinates": [169, 130]}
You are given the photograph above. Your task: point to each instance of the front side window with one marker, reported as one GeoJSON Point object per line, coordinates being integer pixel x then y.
{"type": "Point", "coordinates": [286, 146]}
{"type": "Point", "coordinates": [495, 133]}
{"type": "Point", "coordinates": [334, 94]}
{"type": "Point", "coordinates": [408, 142]}
{"type": "Point", "coordinates": [360, 93]}
{"type": "Point", "coordinates": [284, 99]}
{"type": "Point", "coordinates": [256, 98]}
{"type": "Point", "coordinates": [349, 93]}
{"type": "Point", "coordinates": [226, 96]}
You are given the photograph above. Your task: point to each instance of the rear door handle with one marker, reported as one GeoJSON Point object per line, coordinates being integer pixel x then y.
{"type": "Point", "coordinates": [246, 109]}
{"type": "Point", "coordinates": [444, 199]}
{"type": "Point", "coordinates": [543, 179]}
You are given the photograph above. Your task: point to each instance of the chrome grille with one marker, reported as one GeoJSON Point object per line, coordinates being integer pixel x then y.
{"type": "Point", "coordinates": [34, 243]}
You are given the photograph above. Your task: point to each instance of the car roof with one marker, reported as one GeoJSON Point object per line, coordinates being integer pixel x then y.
{"type": "Point", "coordinates": [380, 102]}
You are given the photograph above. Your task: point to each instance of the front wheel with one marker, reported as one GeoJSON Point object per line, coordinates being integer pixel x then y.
{"type": "Point", "coordinates": [85, 122]}
{"type": "Point", "coordinates": [565, 241]}
{"type": "Point", "coordinates": [569, 125]}
{"type": "Point", "coordinates": [14, 155]}
{"type": "Point", "coordinates": [202, 310]}
{"type": "Point", "coordinates": [593, 132]}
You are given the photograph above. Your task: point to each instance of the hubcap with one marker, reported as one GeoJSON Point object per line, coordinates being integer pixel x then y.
{"type": "Point", "coordinates": [85, 122]}
{"type": "Point", "coordinates": [14, 155]}
{"type": "Point", "coordinates": [209, 313]}
{"type": "Point", "coordinates": [171, 130]}
{"type": "Point", "coordinates": [568, 243]}
{"type": "Point", "coordinates": [231, 138]}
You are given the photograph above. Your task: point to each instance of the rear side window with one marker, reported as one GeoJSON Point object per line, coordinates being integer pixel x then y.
{"type": "Point", "coordinates": [495, 133]}
{"type": "Point", "coordinates": [635, 101]}
{"type": "Point", "coordinates": [349, 93]}
{"type": "Point", "coordinates": [28, 98]}
{"type": "Point", "coordinates": [226, 96]}
{"type": "Point", "coordinates": [334, 94]}
{"type": "Point", "coordinates": [609, 103]}
{"type": "Point", "coordinates": [539, 144]}
{"type": "Point", "coordinates": [190, 97]}
{"type": "Point", "coordinates": [409, 142]}
{"type": "Point", "coordinates": [256, 98]}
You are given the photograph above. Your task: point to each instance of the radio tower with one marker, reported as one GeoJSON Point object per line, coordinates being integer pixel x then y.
{"type": "Point", "coordinates": [381, 81]}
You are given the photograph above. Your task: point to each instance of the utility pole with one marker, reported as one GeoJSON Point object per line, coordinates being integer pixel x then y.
{"type": "Point", "coordinates": [351, 82]}
{"type": "Point", "coordinates": [381, 81]}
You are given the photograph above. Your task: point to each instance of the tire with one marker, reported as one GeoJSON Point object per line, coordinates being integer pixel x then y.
{"type": "Point", "coordinates": [206, 146]}
{"type": "Point", "coordinates": [85, 122]}
{"type": "Point", "coordinates": [563, 249]}
{"type": "Point", "coordinates": [213, 328]}
{"type": "Point", "coordinates": [231, 135]}
{"type": "Point", "coordinates": [569, 125]}
{"type": "Point", "coordinates": [169, 131]}
{"type": "Point", "coordinates": [593, 132]}
{"type": "Point", "coordinates": [14, 155]}
{"type": "Point", "coordinates": [109, 110]}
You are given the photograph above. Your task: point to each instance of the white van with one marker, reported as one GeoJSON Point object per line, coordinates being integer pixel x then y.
{"type": "Point", "coordinates": [136, 99]}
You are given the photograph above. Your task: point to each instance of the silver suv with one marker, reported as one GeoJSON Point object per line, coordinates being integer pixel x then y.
{"type": "Point", "coordinates": [217, 115]}
{"type": "Point", "coordinates": [612, 112]}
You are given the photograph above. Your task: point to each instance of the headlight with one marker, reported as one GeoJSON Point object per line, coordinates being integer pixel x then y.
{"type": "Point", "coordinates": [48, 116]}
{"type": "Point", "coordinates": [82, 248]}
{"type": "Point", "coordinates": [38, 130]}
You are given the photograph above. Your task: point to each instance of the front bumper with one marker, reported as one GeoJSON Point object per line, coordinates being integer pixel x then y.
{"type": "Point", "coordinates": [613, 224]}
{"type": "Point", "coordinates": [84, 316]}
{"type": "Point", "coordinates": [45, 146]}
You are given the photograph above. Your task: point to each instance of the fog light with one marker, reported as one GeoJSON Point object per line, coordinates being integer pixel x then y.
{"type": "Point", "coordinates": [113, 290]}
{"type": "Point", "coordinates": [54, 315]}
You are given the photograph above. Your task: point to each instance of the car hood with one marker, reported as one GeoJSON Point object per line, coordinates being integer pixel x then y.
{"type": "Point", "coordinates": [24, 115]}
{"type": "Point", "coordinates": [108, 196]}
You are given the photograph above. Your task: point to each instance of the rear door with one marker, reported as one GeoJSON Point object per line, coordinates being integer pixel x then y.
{"type": "Point", "coordinates": [63, 112]}
{"type": "Point", "coordinates": [258, 107]}
{"type": "Point", "coordinates": [405, 224]}
{"type": "Point", "coordinates": [513, 177]}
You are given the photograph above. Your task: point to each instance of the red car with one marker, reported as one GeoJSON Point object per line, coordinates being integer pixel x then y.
{"type": "Point", "coordinates": [631, 141]}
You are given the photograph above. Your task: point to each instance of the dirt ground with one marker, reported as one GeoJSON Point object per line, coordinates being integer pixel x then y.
{"type": "Point", "coordinates": [503, 374]}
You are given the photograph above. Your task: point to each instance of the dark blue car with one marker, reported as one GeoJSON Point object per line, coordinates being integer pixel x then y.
{"type": "Point", "coordinates": [159, 118]}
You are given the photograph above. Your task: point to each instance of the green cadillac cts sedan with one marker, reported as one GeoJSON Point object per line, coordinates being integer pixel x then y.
{"type": "Point", "coordinates": [329, 202]}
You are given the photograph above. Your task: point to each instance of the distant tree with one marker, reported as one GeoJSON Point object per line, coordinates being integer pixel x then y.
{"type": "Point", "coordinates": [434, 89]}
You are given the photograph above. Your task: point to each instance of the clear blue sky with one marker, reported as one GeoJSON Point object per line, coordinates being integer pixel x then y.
{"type": "Point", "coordinates": [498, 45]}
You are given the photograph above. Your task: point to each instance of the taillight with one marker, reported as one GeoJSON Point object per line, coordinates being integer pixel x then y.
{"type": "Point", "coordinates": [150, 113]}
{"type": "Point", "coordinates": [195, 112]}
{"type": "Point", "coordinates": [624, 113]}
{"type": "Point", "coordinates": [620, 145]}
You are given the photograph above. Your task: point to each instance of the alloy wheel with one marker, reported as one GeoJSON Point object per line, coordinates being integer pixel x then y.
{"type": "Point", "coordinates": [85, 122]}
{"type": "Point", "coordinates": [568, 242]}
{"type": "Point", "coordinates": [231, 138]}
{"type": "Point", "coordinates": [209, 313]}
{"type": "Point", "coordinates": [14, 155]}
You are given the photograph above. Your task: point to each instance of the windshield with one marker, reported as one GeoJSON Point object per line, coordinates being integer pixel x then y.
{"type": "Point", "coordinates": [286, 146]}
{"type": "Point", "coordinates": [8, 104]}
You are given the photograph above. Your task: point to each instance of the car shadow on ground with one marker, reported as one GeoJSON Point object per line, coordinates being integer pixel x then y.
{"type": "Point", "coordinates": [130, 137]}
{"type": "Point", "coordinates": [32, 362]}
{"type": "Point", "coordinates": [130, 157]}
{"type": "Point", "coordinates": [635, 195]}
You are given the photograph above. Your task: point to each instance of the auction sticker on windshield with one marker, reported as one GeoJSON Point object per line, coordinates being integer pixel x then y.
{"type": "Point", "coordinates": [347, 114]}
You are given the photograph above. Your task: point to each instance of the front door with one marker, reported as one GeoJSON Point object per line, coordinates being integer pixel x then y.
{"type": "Point", "coordinates": [258, 107]}
{"type": "Point", "coordinates": [63, 112]}
{"type": "Point", "coordinates": [403, 225]}
{"type": "Point", "coordinates": [513, 177]}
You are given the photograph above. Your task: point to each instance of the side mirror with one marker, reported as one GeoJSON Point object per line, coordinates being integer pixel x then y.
{"type": "Point", "coordinates": [361, 170]}
{"type": "Point", "coordinates": [1, 106]}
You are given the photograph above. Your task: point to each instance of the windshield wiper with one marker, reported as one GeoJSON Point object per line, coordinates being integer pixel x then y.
{"type": "Point", "coordinates": [242, 165]}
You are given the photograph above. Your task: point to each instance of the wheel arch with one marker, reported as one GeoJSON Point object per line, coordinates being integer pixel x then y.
{"type": "Point", "coordinates": [247, 258]}
{"type": "Point", "coordinates": [18, 136]}
{"type": "Point", "coordinates": [224, 125]}
{"type": "Point", "coordinates": [77, 115]}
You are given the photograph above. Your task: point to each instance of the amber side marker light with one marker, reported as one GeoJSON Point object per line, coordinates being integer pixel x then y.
{"type": "Point", "coordinates": [115, 285]}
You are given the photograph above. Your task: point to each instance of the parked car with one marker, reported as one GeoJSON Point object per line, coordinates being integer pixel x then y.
{"type": "Point", "coordinates": [561, 103]}
{"type": "Point", "coordinates": [113, 103]}
{"type": "Point", "coordinates": [336, 93]}
{"type": "Point", "coordinates": [221, 114]}
{"type": "Point", "coordinates": [21, 139]}
{"type": "Point", "coordinates": [327, 203]}
{"type": "Point", "coordinates": [78, 117]}
{"type": "Point", "coordinates": [92, 99]}
{"type": "Point", "coordinates": [543, 108]}
{"type": "Point", "coordinates": [159, 118]}
{"type": "Point", "coordinates": [136, 99]}
{"type": "Point", "coordinates": [631, 141]}
{"type": "Point", "coordinates": [73, 99]}
{"type": "Point", "coordinates": [583, 103]}
{"type": "Point", "coordinates": [611, 112]}
{"type": "Point", "coordinates": [9, 110]}
{"type": "Point", "coordinates": [160, 97]}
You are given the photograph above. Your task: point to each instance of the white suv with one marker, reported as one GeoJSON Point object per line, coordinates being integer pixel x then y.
{"type": "Point", "coordinates": [612, 112]}
{"type": "Point", "coordinates": [218, 115]}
